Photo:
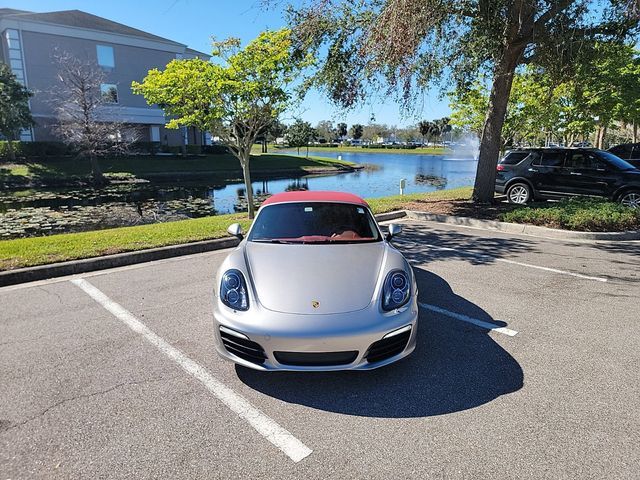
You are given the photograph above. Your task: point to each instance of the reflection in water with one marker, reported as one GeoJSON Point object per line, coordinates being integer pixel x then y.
{"type": "Point", "coordinates": [458, 171]}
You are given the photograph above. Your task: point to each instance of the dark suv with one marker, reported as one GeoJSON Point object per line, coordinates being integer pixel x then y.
{"type": "Point", "coordinates": [629, 152]}
{"type": "Point", "coordinates": [551, 173]}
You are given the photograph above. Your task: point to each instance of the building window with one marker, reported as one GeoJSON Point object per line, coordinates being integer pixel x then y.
{"type": "Point", "coordinates": [105, 56]}
{"type": "Point", "coordinates": [15, 54]}
{"type": "Point", "coordinates": [109, 92]}
{"type": "Point", "coordinates": [155, 133]}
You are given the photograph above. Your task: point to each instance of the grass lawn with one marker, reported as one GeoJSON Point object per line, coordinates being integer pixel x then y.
{"type": "Point", "coordinates": [25, 252]}
{"type": "Point", "coordinates": [221, 166]}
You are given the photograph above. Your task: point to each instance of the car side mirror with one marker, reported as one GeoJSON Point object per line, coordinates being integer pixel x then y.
{"type": "Point", "coordinates": [236, 230]}
{"type": "Point", "coordinates": [394, 229]}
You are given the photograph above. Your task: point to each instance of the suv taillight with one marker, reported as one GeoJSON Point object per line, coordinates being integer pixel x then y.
{"type": "Point", "coordinates": [500, 168]}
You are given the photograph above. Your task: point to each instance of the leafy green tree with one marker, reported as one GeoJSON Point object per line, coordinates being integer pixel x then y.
{"type": "Point", "coordinates": [300, 134]}
{"type": "Point", "coordinates": [341, 129]}
{"type": "Point", "coordinates": [235, 99]}
{"type": "Point", "coordinates": [14, 107]}
{"type": "Point", "coordinates": [356, 131]}
{"type": "Point", "coordinates": [326, 131]}
{"type": "Point", "coordinates": [408, 45]}
{"type": "Point", "coordinates": [373, 131]}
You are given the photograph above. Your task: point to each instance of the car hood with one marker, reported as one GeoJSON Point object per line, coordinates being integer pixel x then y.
{"type": "Point", "coordinates": [314, 279]}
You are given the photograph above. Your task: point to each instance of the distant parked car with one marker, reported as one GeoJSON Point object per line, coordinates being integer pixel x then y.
{"type": "Point", "coordinates": [581, 144]}
{"type": "Point", "coordinates": [550, 173]}
{"type": "Point", "coordinates": [629, 152]}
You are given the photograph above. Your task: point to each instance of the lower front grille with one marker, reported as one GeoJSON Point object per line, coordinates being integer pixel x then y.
{"type": "Point", "coordinates": [322, 359]}
{"type": "Point", "coordinates": [388, 347]}
{"type": "Point", "coordinates": [243, 348]}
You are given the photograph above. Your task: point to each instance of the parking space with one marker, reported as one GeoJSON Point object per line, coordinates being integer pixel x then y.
{"type": "Point", "coordinates": [125, 383]}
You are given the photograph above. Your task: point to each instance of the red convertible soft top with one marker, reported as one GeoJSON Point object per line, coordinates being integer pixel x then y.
{"type": "Point", "coordinates": [315, 196]}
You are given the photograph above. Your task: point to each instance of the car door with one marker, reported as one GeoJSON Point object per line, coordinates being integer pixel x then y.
{"type": "Point", "coordinates": [587, 174]}
{"type": "Point", "coordinates": [545, 171]}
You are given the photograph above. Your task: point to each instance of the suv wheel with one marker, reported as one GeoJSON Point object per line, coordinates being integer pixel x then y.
{"type": "Point", "coordinates": [630, 199]}
{"type": "Point", "coordinates": [519, 193]}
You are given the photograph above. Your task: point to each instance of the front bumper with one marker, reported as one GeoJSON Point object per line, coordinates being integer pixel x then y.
{"type": "Point", "coordinates": [295, 339]}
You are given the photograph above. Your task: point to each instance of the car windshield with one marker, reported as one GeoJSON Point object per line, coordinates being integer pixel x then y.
{"type": "Point", "coordinates": [314, 222]}
{"type": "Point", "coordinates": [616, 161]}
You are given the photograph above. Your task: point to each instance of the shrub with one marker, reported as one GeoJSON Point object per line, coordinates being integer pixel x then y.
{"type": "Point", "coordinates": [194, 149]}
{"type": "Point", "coordinates": [145, 147]}
{"type": "Point", "coordinates": [214, 149]}
{"type": "Point", "coordinates": [586, 214]}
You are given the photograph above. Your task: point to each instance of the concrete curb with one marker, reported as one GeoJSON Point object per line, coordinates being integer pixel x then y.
{"type": "Point", "coordinates": [519, 228]}
{"type": "Point", "coordinates": [74, 267]}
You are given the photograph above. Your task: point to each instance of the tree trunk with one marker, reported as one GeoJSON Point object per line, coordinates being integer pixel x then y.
{"type": "Point", "coordinates": [635, 132]}
{"type": "Point", "coordinates": [307, 150]}
{"type": "Point", "coordinates": [247, 183]}
{"type": "Point", "coordinates": [96, 171]}
{"type": "Point", "coordinates": [484, 186]}
{"type": "Point", "coordinates": [12, 152]}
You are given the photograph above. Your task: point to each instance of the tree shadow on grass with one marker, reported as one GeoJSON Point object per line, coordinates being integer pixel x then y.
{"type": "Point", "coordinates": [421, 245]}
{"type": "Point", "coordinates": [456, 366]}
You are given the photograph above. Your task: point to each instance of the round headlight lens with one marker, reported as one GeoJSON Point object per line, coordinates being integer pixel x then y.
{"type": "Point", "coordinates": [233, 296]}
{"type": "Point", "coordinates": [398, 280]}
{"type": "Point", "coordinates": [232, 280]}
{"type": "Point", "coordinates": [397, 296]}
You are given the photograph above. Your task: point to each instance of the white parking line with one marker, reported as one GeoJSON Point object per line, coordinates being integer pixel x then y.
{"type": "Point", "coordinates": [465, 318]}
{"type": "Point", "coordinates": [513, 262]}
{"type": "Point", "coordinates": [265, 426]}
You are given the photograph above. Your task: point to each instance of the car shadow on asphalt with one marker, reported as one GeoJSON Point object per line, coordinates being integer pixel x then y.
{"type": "Point", "coordinates": [456, 366]}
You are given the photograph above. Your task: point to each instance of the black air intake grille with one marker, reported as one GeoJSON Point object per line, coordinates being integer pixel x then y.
{"type": "Point", "coordinates": [245, 349]}
{"type": "Point", "coordinates": [388, 347]}
{"type": "Point", "coordinates": [323, 359]}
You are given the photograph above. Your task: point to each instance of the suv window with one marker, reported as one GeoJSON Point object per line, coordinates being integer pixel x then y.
{"type": "Point", "coordinates": [513, 158]}
{"type": "Point", "coordinates": [584, 161]}
{"type": "Point", "coordinates": [550, 159]}
{"type": "Point", "coordinates": [622, 151]}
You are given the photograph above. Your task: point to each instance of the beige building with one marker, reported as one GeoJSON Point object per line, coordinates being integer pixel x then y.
{"type": "Point", "coordinates": [29, 40]}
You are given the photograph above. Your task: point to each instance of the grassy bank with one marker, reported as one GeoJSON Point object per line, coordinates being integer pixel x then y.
{"type": "Point", "coordinates": [218, 167]}
{"type": "Point", "coordinates": [582, 214]}
{"type": "Point", "coordinates": [349, 149]}
{"type": "Point", "coordinates": [25, 252]}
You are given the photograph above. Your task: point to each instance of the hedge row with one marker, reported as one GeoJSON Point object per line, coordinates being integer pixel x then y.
{"type": "Point", "coordinates": [59, 149]}
{"type": "Point", "coordinates": [395, 147]}
{"type": "Point", "coordinates": [34, 149]}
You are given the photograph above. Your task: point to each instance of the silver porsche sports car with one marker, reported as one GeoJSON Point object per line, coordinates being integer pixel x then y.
{"type": "Point", "coordinates": [315, 285]}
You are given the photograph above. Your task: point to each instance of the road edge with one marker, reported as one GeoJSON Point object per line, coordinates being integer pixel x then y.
{"type": "Point", "coordinates": [522, 229]}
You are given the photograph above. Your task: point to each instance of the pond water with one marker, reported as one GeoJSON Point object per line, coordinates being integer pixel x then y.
{"type": "Point", "coordinates": [39, 212]}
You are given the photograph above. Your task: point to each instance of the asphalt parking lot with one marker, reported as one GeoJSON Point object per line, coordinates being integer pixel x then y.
{"type": "Point", "coordinates": [527, 366]}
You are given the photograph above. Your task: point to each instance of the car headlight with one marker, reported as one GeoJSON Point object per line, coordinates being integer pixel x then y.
{"type": "Point", "coordinates": [396, 290]}
{"type": "Point", "coordinates": [233, 290]}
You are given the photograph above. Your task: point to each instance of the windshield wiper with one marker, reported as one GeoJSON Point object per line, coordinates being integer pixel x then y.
{"type": "Point", "coordinates": [273, 240]}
